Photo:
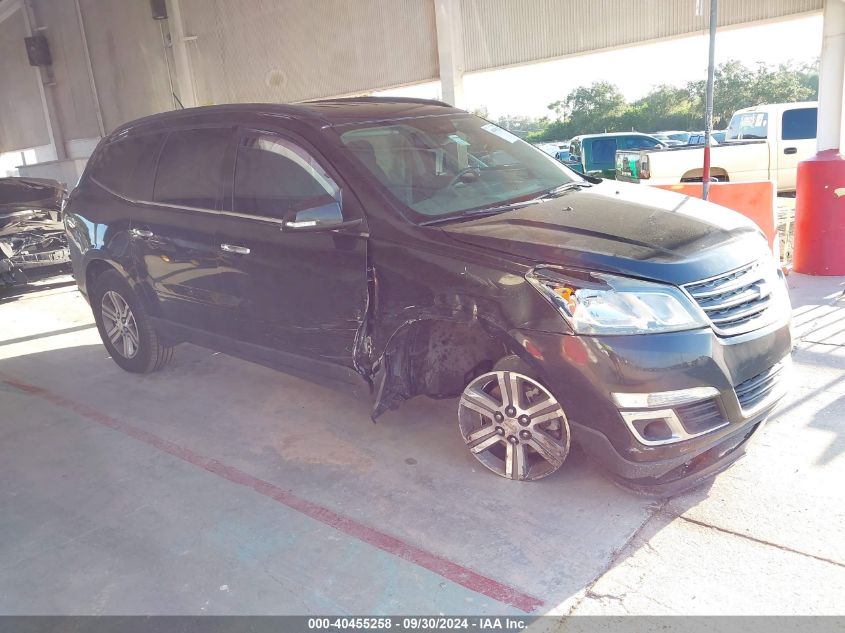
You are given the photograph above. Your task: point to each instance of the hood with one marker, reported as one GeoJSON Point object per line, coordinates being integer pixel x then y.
{"type": "Point", "coordinates": [29, 194]}
{"type": "Point", "coordinates": [622, 228]}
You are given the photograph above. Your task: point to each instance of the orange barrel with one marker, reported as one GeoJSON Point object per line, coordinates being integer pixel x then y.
{"type": "Point", "coordinates": [820, 215]}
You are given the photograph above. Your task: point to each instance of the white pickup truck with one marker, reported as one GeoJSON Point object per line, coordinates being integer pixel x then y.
{"type": "Point", "coordinates": [762, 143]}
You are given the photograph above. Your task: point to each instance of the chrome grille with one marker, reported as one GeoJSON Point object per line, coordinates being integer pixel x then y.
{"type": "Point", "coordinates": [734, 301]}
{"type": "Point", "coordinates": [759, 388]}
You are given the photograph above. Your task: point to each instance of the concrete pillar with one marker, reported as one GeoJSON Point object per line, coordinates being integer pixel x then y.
{"type": "Point", "coordinates": [820, 189]}
{"type": "Point", "coordinates": [450, 50]}
{"type": "Point", "coordinates": [831, 130]}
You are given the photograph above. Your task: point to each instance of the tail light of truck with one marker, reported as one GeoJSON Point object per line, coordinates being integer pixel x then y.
{"type": "Point", "coordinates": [644, 167]}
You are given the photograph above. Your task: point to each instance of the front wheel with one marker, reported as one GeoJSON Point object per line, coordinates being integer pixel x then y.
{"type": "Point", "coordinates": [125, 326]}
{"type": "Point", "coordinates": [513, 425]}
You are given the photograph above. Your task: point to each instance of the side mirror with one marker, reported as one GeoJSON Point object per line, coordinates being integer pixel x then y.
{"type": "Point", "coordinates": [326, 217]}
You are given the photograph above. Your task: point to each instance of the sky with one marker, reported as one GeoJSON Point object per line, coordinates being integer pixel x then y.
{"type": "Point", "coordinates": [527, 90]}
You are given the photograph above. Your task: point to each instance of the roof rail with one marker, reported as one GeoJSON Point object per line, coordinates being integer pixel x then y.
{"type": "Point", "coordinates": [370, 99]}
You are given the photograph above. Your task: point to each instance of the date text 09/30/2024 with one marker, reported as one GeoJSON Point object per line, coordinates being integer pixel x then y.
{"type": "Point", "coordinates": [419, 623]}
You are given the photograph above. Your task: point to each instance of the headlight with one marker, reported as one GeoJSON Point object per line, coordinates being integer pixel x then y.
{"type": "Point", "coordinates": [598, 303]}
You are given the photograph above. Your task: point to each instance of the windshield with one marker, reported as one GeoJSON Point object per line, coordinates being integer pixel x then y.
{"type": "Point", "coordinates": [442, 165]}
{"type": "Point", "coordinates": [748, 125]}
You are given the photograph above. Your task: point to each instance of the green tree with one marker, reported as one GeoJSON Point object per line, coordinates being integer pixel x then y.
{"type": "Point", "coordinates": [595, 108]}
{"type": "Point", "coordinates": [600, 107]}
{"type": "Point", "coordinates": [664, 108]}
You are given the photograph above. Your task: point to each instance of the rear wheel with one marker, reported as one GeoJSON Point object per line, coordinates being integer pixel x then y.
{"type": "Point", "coordinates": [125, 326]}
{"type": "Point", "coordinates": [513, 425]}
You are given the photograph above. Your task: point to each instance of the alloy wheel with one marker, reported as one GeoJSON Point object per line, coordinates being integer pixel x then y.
{"type": "Point", "coordinates": [119, 324]}
{"type": "Point", "coordinates": [513, 425]}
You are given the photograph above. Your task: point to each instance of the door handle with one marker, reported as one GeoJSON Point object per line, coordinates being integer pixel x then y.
{"type": "Point", "coordinates": [790, 150]}
{"type": "Point", "coordinates": [142, 233]}
{"type": "Point", "coordinates": [231, 248]}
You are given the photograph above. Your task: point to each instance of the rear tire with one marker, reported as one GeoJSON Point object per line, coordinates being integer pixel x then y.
{"type": "Point", "coordinates": [125, 327]}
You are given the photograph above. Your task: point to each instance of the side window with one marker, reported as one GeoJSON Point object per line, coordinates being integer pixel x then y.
{"type": "Point", "coordinates": [275, 178]}
{"type": "Point", "coordinates": [799, 124]}
{"type": "Point", "coordinates": [604, 151]}
{"type": "Point", "coordinates": [127, 166]}
{"type": "Point", "coordinates": [190, 169]}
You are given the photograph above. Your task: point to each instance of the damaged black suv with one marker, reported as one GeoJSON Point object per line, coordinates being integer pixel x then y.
{"type": "Point", "coordinates": [403, 247]}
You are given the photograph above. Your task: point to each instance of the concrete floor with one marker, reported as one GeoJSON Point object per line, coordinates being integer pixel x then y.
{"type": "Point", "coordinates": [221, 487]}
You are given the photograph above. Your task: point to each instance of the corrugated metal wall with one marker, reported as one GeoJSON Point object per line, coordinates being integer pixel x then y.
{"type": "Point", "coordinates": [509, 32]}
{"type": "Point", "coordinates": [22, 122]}
{"type": "Point", "coordinates": [291, 50]}
{"type": "Point", "coordinates": [75, 104]}
{"type": "Point", "coordinates": [266, 50]}
{"type": "Point", "coordinates": [127, 57]}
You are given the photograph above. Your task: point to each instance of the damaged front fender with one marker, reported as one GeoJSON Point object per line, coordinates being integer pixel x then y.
{"type": "Point", "coordinates": [437, 323]}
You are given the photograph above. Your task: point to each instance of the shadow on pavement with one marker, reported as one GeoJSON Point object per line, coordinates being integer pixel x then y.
{"type": "Point", "coordinates": [408, 476]}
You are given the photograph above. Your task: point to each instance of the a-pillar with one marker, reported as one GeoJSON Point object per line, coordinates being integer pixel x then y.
{"type": "Point", "coordinates": [820, 196]}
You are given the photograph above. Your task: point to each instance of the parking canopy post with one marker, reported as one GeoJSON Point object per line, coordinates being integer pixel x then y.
{"type": "Point", "coordinates": [450, 51]}
{"type": "Point", "coordinates": [820, 188]}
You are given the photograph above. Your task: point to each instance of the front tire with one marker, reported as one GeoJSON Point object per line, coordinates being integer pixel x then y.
{"type": "Point", "coordinates": [512, 424]}
{"type": "Point", "coordinates": [125, 326]}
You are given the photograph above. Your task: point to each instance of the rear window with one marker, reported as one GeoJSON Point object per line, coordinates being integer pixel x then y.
{"type": "Point", "coordinates": [190, 169]}
{"type": "Point", "coordinates": [126, 166]}
{"type": "Point", "coordinates": [748, 125]}
{"type": "Point", "coordinates": [799, 124]}
{"type": "Point", "coordinates": [603, 151]}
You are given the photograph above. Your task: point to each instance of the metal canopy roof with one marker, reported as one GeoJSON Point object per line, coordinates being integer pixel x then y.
{"type": "Point", "coordinates": [294, 50]}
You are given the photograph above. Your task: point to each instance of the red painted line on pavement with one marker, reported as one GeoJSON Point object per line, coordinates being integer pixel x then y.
{"type": "Point", "coordinates": [432, 562]}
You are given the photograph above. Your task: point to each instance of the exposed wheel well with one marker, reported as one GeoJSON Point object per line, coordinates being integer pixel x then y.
{"type": "Point", "coordinates": [93, 271]}
{"type": "Point", "coordinates": [445, 356]}
{"type": "Point", "coordinates": [436, 358]}
{"type": "Point", "coordinates": [695, 175]}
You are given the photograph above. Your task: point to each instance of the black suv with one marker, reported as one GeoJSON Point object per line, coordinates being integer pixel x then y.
{"type": "Point", "coordinates": [403, 247]}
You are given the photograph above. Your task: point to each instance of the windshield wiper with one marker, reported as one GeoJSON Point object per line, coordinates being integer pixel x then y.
{"type": "Point", "coordinates": [471, 214]}
{"type": "Point", "coordinates": [562, 189]}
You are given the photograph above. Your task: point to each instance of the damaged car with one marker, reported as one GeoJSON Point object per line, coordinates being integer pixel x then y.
{"type": "Point", "coordinates": [33, 242]}
{"type": "Point", "coordinates": [402, 248]}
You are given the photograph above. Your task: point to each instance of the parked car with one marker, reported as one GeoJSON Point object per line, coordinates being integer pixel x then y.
{"type": "Point", "coordinates": [595, 154]}
{"type": "Point", "coordinates": [32, 237]}
{"type": "Point", "coordinates": [697, 138]}
{"type": "Point", "coordinates": [559, 150]}
{"type": "Point", "coordinates": [563, 155]}
{"type": "Point", "coordinates": [761, 143]}
{"type": "Point", "coordinates": [672, 137]}
{"type": "Point", "coordinates": [402, 247]}
{"type": "Point", "coordinates": [549, 148]}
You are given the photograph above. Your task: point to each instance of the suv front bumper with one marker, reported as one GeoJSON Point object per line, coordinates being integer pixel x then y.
{"type": "Point", "coordinates": [599, 378]}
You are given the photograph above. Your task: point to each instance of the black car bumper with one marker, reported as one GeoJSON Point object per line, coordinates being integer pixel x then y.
{"type": "Point", "coordinates": [738, 381]}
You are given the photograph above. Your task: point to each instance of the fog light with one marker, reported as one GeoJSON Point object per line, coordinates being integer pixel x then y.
{"type": "Point", "coordinates": [659, 427]}
{"type": "Point", "coordinates": [654, 430]}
